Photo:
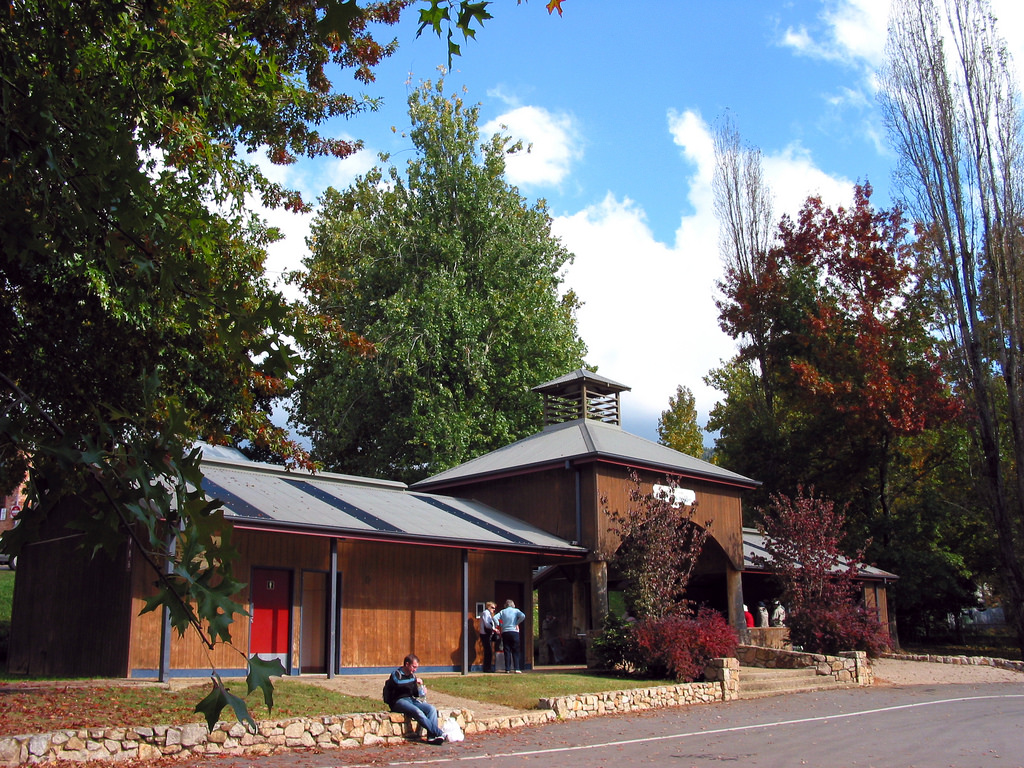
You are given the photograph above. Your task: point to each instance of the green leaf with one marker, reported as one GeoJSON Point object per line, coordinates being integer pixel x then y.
{"type": "Point", "coordinates": [260, 672]}
{"type": "Point", "coordinates": [218, 698]}
{"type": "Point", "coordinates": [241, 710]}
{"type": "Point", "coordinates": [338, 18]}
{"type": "Point", "coordinates": [213, 704]}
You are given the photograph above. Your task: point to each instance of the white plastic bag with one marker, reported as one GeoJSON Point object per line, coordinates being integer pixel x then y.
{"type": "Point", "coordinates": [452, 731]}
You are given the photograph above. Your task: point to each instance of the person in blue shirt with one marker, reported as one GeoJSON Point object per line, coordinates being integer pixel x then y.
{"type": "Point", "coordinates": [404, 692]}
{"type": "Point", "coordinates": [508, 620]}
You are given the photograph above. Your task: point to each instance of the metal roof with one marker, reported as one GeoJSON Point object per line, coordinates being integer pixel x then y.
{"type": "Point", "coordinates": [578, 377]}
{"type": "Point", "coordinates": [263, 496]}
{"type": "Point", "coordinates": [753, 546]}
{"type": "Point", "coordinates": [584, 439]}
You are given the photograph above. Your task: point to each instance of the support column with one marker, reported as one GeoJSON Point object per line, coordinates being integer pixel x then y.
{"type": "Point", "coordinates": [333, 656]}
{"type": "Point", "coordinates": [734, 596]}
{"type": "Point", "coordinates": [598, 593]}
{"type": "Point", "coordinates": [580, 608]}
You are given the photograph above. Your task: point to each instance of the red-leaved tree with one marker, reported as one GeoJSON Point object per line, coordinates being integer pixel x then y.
{"type": "Point", "coordinates": [804, 536]}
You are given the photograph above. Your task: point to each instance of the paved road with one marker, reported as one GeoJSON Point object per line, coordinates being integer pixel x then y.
{"type": "Point", "coordinates": [960, 726]}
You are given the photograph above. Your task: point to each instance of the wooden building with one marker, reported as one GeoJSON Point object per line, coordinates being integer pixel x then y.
{"type": "Point", "coordinates": [344, 575]}
{"type": "Point", "coordinates": [557, 479]}
{"type": "Point", "coordinates": [347, 575]}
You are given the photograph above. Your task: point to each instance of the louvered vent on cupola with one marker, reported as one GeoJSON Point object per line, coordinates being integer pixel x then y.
{"type": "Point", "coordinates": [582, 394]}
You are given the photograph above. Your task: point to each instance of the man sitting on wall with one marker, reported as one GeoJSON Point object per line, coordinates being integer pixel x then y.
{"type": "Point", "coordinates": [405, 693]}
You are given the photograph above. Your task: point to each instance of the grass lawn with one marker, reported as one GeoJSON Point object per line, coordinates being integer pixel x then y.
{"type": "Point", "coordinates": [523, 691]}
{"type": "Point", "coordinates": [27, 709]}
{"type": "Point", "coordinates": [6, 596]}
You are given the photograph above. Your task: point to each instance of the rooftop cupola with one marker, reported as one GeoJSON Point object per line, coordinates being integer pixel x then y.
{"type": "Point", "coordinates": [581, 394]}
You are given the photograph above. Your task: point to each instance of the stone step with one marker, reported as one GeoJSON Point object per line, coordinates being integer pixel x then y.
{"type": "Point", "coordinates": [756, 682]}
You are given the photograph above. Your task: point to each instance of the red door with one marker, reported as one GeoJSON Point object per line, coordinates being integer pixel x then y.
{"type": "Point", "coordinates": [271, 614]}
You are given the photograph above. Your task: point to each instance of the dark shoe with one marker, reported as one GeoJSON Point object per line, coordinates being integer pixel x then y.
{"type": "Point", "coordinates": [436, 739]}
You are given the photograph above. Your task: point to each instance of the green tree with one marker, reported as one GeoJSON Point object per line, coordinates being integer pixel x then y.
{"type": "Point", "coordinates": [453, 278]}
{"type": "Point", "coordinates": [135, 312]}
{"type": "Point", "coordinates": [678, 427]}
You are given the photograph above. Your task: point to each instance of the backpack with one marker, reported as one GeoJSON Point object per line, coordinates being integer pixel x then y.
{"type": "Point", "coordinates": [389, 691]}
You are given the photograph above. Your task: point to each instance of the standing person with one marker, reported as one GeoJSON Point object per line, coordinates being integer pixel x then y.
{"type": "Point", "coordinates": [778, 615]}
{"type": "Point", "coordinates": [509, 618]}
{"type": "Point", "coordinates": [405, 693]}
{"type": "Point", "coordinates": [487, 635]}
{"type": "Point", "coordinates": [762, 614]}
{"type": "Point", "coordinates": [748, 617]}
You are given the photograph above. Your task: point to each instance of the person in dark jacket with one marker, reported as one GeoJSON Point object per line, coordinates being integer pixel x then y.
{"type": "Point", "coordinates": [405, 693]}
{"type": "Point", "coordinates": [487, 634]}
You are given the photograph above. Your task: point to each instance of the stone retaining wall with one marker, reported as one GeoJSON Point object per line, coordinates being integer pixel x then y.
{"type": "Point", "coordinates": [848, 667]}
{"type": "Point", "coordinates": [145, 743]}
{"type": "Point", "coordinates": [334, 731]}
{"type": "Point", "coordinates": [721, 684]}
{"type": "Point", "coordinates": [975, 661]}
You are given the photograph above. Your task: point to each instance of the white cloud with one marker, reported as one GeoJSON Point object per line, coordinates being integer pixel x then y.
{"type": "Point", "coordinates": [649, 314]}
{"type": "Point", "coordinates": [853, 33]}
{"type": "Point", "coordinates": [793, 177]}
{"type": "Point", "coordinates": [311, 179]}
{"type": "Point", "coordinates": [858, 29]}
{"type": "Point", "coordinates": [551, 139]}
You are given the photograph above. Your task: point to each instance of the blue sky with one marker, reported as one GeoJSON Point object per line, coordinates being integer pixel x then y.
{"type": "Point", "coordinates": [618, 100]}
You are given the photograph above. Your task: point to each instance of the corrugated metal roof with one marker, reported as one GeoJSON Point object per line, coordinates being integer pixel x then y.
{"type": "Point", "coordinates": [584, 439]}
{"type": "Point", "coordinates": [582, 375]}
{"type": "Point", "coordinates": [264, 496]}
{"type": "Point", "coordinates": [753, 546]}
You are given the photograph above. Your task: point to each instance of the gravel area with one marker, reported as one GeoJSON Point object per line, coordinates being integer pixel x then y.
{"type": "Point", "coordinates": [897, 672]}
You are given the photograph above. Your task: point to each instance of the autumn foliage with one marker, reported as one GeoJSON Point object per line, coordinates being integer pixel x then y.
{"type": "Point", "coordinates": [676, 647]}
{"type": "Point", "coordinates": [804, 535]}
{"type": "Point", "coordinates": [679, 647]}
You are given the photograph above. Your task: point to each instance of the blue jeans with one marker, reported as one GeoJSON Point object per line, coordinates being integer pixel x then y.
{"type": "Point", "coordinates": [421, 711]}
{"type": "Point", "coordinates": [511, 642]}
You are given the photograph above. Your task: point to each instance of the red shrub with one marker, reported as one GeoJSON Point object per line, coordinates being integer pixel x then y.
{"type": "Point", "coordinates": [680, 646]}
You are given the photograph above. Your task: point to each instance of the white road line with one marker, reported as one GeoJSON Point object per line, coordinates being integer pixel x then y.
{"type": "Point", "coordinates": [670, 737]}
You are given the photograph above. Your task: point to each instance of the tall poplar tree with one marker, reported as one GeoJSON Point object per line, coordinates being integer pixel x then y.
{"type": "Point", "coordinates": [952, 105]}
{"type": "Point", "coordinates": [452, 277]}
{"type": "Point", "coordinates": [678, 427]}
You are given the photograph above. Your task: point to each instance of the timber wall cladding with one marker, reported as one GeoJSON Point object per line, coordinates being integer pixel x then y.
{"type": "Point", "coordinates": [61, 635]}
{"type": "Point", "coordinates": [546, 499]}
{"type": "Point", "coordinates": [486, 568]}
{"type": "Point", "coordinates": [258, 549]}
{"type": "Point", "coordinates": [719, 504]}
{"type": "Point", "coordinates": [398, 599]}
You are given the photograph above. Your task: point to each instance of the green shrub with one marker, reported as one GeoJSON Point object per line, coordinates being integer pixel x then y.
{"type": "Point", "coordinates": [614, 648]}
